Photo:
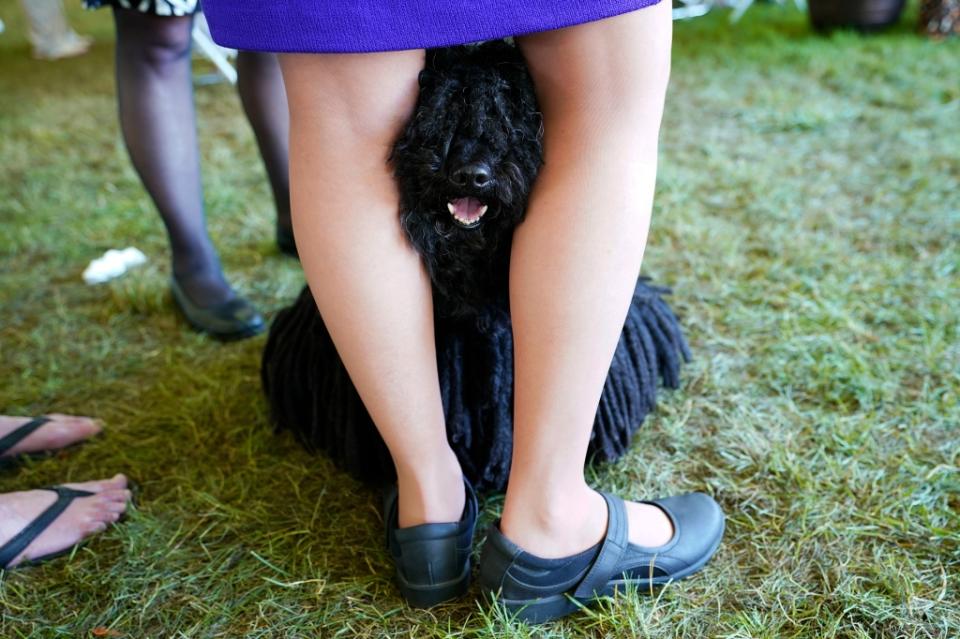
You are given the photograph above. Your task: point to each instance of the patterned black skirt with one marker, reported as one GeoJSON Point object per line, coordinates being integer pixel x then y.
{"type": "Point", "coordinates": [170, 8]}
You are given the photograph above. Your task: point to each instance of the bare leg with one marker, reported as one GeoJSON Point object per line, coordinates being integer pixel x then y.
{"type": "Point", "coordinates": [50, 33]}
{"type": "Point", "coordinates": [260, 85]}
{"type": "Point", "coordinates": [370, 285]}
{"type": "Point", "coordinates": [575, 261]}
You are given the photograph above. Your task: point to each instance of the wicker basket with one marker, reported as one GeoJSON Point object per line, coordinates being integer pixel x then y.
{"type": "Point", "coordinates": [940, 18]}
{"type": "Point", "coordinates": [864, 15]}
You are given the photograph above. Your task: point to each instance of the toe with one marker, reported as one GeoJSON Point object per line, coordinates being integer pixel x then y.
{"type": "Point", "coordinates": [75, 428]}
{"type": "Point", "coordinates": [115, 500]}
{"type": "Point", "coordinates": [123, 495]}
{"type": "Point", "coordinates": [117, 482]}
{"type": "Point", "coordinates": [95, 525]}
{"type": "Point", "coordinates": [86, 427]}
{"type": "Point", "coordinates": [108, 516]}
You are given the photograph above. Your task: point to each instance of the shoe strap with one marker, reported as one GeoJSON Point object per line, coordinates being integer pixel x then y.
{"type": "Point", "coordinates": [65, 496]}
{"type": "Point", "coordinates": [20, 433]}
{"type": "Point", "coordinates": [611, 552]}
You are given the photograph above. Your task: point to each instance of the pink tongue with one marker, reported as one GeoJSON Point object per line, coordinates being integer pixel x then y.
{"type": "Point", "coordinates": [467, 208]}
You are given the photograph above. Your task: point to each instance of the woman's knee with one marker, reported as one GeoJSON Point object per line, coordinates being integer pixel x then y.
{"type": "Point", "coordinates": [155, 40]}
{"type": "Point", "coordinates": [356, 97]}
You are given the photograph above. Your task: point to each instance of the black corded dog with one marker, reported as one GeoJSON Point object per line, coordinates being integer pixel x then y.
{"type": "Point", "coordinates": [465, 164]}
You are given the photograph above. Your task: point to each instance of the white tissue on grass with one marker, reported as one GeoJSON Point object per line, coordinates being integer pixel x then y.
{"type": "Point", "coordinates": [113, 263]}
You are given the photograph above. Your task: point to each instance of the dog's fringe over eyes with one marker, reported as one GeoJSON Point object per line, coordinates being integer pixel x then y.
{"type": "Point", "coordinates": [476, 109]}
{"type": "Point", "coordinates": [476, 115]}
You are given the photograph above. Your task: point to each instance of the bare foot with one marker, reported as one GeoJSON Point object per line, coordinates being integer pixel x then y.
{"type": "Point", "coordinates": [576, 521]}
{"type": "Point", "coordinates": [60, 431]}
{"type": "Point", "coordinates": [85, 516]}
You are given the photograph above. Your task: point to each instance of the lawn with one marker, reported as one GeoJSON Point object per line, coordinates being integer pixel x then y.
{"type": "Point", "coordinates": [808, 219]}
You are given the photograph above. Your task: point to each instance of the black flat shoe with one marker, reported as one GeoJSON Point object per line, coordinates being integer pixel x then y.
{"type": "Point", "coordinates": [231, 320]}
{"type": "Point", "coordinates": [537, 590]}
{"type": "Point", "coordinates": [286, 243]}
{"type": "Point", "coordinates": [433, 560]}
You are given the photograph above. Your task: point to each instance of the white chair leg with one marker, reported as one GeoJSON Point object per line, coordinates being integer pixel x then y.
{"type": "Point", "coordinates": [217, 54]}
{"type": "Point", "coordinates": [692, 9]}
{"type": "Point", "coordinates": [739, 8]}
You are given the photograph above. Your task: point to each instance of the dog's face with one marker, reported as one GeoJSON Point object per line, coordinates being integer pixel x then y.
{"type": "Point", "coordinates": [467, 159]}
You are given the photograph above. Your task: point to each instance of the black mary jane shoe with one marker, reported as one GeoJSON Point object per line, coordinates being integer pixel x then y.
{"type": "Point", "coordinates": [231, 320]}
{"type": "Point", "coordinates": [432, 560]}
{"type": "Point", "coordinates": [537, 590]}
{"type": "Point", "coordinates": [286, 243]}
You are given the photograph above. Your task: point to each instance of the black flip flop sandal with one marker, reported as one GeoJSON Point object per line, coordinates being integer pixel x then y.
{"type": "Point", "coordinates": [16, 436]}
{"type": "Point", "coordinates": [20, 433]}
{"type": "Point", "coordinates": [12, 549]}
{"type": "Point", "coordinates": [536, 590]}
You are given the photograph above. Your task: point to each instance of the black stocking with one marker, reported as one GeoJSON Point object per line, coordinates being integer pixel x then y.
{"type": "Point", "coordinates": [157, 117]}
{"type": "Point", "coordinates": [265, 103]}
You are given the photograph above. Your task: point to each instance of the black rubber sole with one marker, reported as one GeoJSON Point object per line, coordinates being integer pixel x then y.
{"type": "Point", "coordinates": [11, 461]}
{"type": "Point", "coordinates": [39, 561]}
{"type": "Point", "coordinates": [231, 337]}
{"type": "Point", "coordinates": [223, 337]}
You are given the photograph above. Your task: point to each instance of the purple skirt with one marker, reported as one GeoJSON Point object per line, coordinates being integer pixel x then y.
{"type": "Point", "coordinates": [361, 26]}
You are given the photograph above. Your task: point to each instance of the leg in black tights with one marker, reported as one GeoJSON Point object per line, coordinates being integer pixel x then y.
{"type": "Point", "coordinates": [265, 102]}
{"type": "Point", "coordinates": [158, 120]}
{"type": "Point", "coordinates": [157, 116]}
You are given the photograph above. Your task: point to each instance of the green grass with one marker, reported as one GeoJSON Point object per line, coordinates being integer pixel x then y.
{"type": "Point", "coordinates": [808, 218]}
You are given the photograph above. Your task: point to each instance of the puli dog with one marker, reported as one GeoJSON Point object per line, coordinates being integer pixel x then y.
{"type": "Point", "coordinates": [465, 164]}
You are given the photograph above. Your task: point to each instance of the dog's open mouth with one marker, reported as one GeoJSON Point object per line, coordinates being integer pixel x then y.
{"type": "Point", "coordinates": [467, 211]}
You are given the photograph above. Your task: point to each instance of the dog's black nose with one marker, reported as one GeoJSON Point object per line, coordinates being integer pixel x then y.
{"type": "Point", "coordinates": [472, 175]}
